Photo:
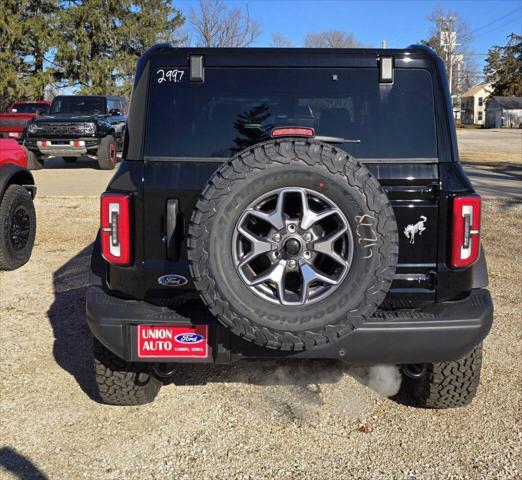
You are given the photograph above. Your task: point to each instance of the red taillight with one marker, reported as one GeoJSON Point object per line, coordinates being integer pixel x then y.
{"type": "Point", "coordinates": [465, 241]}
{"type": "Point", "coordinates": [292, 132]}
{"type": "Point", "coordinates": [115, 228]}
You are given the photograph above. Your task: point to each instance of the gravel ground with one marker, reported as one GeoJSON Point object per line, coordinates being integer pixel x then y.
{"type": "Point", "coordinates": [248, 421]}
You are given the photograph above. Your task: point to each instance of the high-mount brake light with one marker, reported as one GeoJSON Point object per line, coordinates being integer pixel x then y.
{"type": "Point", "coordinates": [465, 241]}
{"type": "Point", "coordinates": [293, 132]}
{"type": "Point", "coordinates": [115, 228]}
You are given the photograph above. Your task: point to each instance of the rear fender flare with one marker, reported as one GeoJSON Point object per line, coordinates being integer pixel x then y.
{"type": "Point", "coordinates": [15, 175]}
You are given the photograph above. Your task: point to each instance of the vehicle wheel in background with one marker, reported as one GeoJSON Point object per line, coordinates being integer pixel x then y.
{"type": "Point", "coordinates": [445, 384]}
{"type": "Point", "coordinates": [120, 382]}
{"type": "Point", "coordinates": [70, 159]}
{"type": "Point", "coordinates": [107, 153]}
{"type": "Point", "coordinates": [17, 227]}
{"type": "Point", "coordinates": [34, 161]}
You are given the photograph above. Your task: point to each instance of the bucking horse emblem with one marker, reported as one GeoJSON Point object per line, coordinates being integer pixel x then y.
{"type": "Point", "coordinates": [412, 229]}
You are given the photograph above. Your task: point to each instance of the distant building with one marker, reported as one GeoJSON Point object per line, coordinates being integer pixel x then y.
{"type": "Point", "coordinates": [504, 112]}
{"type": "Point", "coordinates": [473, 104]}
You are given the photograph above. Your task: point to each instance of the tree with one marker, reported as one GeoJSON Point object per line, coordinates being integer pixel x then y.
{"type": "Point", "coordinates": [281, 41]}
{"type": "Point", "coordinates": [504, 67]}
{"type": "Point", "coordinates": [450, 37]}
{"type": "Point", "coordinates": [101, 40]}
{"type": "Point", "coordinates": [330, 39]}
{"type": "Point", "coordinates": [215, 25]}
{"type": "Point", "coordinates": [26, 36]}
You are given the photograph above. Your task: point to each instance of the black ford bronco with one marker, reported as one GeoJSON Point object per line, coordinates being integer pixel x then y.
{"type": "Point", "coordinates": [277, 203]}
{"type": "Point", "coordinates": [76, 126]}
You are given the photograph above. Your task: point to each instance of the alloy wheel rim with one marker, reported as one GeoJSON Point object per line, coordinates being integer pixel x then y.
{"type": "Point", "coordinates": [292, 246]}
{"type": "Point", "coordinates": [20, 229]}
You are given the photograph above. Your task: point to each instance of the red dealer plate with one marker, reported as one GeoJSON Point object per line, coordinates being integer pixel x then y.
{"type": "Point", "coordinates": [172, 342]}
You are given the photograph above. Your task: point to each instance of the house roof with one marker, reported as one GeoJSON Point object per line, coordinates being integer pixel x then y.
{"type": "Point", "coordinates": [509, 103]}
{"type": "Point", "coordinates": [475, 89]}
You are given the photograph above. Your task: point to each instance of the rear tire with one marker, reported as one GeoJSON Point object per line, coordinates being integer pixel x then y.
{"type": "Point", "coordinates": [447, 384]}
{"type": "Point", "coordinates": [107, 153]}
{"type": "Point", "coordinates": [17, 227]}
{"type": "Point", "coordinates": [70, 159]}
{"type": "Point", "coordinates": [34, 161]}
{"type": "Point", "coordinates": [120, 382]}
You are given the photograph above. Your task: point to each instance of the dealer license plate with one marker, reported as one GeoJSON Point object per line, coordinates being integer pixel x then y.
{"type": "Point", "coordinates": [172, 341]}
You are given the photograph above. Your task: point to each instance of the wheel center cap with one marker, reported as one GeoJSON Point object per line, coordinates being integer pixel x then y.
{"type": "Point", "coordinates": [292, 246]}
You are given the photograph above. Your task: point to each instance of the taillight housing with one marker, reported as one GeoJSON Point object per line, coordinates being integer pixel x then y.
{"type": "Point", "coordinates": [465, 235]}
{"type": "Point", "coordinates": [115, 228]}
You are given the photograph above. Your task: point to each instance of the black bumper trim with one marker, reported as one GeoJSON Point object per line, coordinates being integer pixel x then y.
{"type": "Point", "coordinates": [440, 332]}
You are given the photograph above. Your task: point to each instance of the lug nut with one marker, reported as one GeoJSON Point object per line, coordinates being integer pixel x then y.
{"type": "Point", "coordinates": [307, 255]}
{"type": "Point", "coordinates": [307, 236]}
{"type": "Point", "coordinates": [291, 228]}
{"type": "Point", "coordinates": [276, 237]}
{"type": "Point", "coordinates": [292, 263]}
{"type": "Point", "coordinates": [276, 254]}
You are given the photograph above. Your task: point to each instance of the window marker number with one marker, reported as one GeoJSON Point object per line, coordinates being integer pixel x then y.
{"type": "Point", "coordinates": [170, 75]}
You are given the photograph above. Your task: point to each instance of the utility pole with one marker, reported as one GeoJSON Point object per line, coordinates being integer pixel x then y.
{"type": "Point", "coordinates": [448, 41]}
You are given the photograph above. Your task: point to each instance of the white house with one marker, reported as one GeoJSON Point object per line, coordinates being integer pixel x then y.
{"type": "Point", "coordinates": [504, 112]}
{"type": "Point", "coordinates": [473, 104]}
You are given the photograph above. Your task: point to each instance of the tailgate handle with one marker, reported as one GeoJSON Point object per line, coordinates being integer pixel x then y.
{"type": "Point", "coordinates": [172, 218]}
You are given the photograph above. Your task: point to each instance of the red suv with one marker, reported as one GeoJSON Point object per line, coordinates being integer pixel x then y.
{"type": "Point", "coordinates": [17, 214]}
{"type": "Point", "coordinates": [13, 122]}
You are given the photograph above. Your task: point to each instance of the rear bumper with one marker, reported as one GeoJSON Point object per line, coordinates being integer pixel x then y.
{"type": "Point", "coordinates": [440, 332]}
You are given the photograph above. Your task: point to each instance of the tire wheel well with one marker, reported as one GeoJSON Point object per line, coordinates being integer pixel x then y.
{"type": "Point", "coordinates": [23, 178]}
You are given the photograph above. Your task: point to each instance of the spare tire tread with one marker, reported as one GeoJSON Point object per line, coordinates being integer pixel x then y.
{"type": "Point", "coordinates": [284, 152]}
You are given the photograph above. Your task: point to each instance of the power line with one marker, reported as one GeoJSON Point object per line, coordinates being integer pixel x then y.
{"type": "Point", "coordinates": [496, 20]}
{"type": "Point", "coordinates": [497, 27]}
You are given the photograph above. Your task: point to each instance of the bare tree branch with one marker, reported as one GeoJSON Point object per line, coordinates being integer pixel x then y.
{"type": "Point", "coordinates": [331, 39]}
{"type": "Point", "coordinates": [215, 25]}
{"type": "Point", "coordinates": [281, 41]}
{"type": "Point", "coordinates": [451, 37]}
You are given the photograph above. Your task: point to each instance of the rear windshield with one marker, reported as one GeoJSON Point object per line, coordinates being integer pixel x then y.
{"type": "Point", "coordinates": [39, 108]}
{"type": "Point", "coordinates": [237, 107]}
{"type": "Point", "coordinates": [78, 105]}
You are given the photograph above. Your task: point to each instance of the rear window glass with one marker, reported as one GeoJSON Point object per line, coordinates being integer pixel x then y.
{"type": "Point", "coordinates": [238, 107]}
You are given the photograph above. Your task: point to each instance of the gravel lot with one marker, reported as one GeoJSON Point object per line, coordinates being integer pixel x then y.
{"type": "Point", "coordinates": [248, 421]}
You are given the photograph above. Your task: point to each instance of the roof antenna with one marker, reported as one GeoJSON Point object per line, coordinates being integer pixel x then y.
{"type": "Point", "coordinates": [383, 44]}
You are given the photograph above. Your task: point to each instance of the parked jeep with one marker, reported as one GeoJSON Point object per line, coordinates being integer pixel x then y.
{"type": "Point", "coordinates": [76, 126]}
{"type": "Point", "coordinates": [280, 203]}
{"type": "Point", "coordinates": [17, 214]}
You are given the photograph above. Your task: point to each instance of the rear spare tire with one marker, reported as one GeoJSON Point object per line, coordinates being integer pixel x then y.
{"type": "Point", "coordinates": [293, 244]}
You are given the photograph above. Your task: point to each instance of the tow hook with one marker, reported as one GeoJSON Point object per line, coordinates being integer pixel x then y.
{"type": "Point", "coordinates": [163, 370]}
{"type": "Point", "coordinates": [414, 371]}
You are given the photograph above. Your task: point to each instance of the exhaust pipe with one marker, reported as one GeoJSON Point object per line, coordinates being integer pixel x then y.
{"type": "Point", "coordinates": [414, 371]}
{"type": "Point", "coordinates": [163, 370]}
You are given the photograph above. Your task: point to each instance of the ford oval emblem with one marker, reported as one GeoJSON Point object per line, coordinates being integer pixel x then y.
{"type": "Point", "coordinates": [189, 338]}
{"type": "Point", "coordinates": [172, 280]}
